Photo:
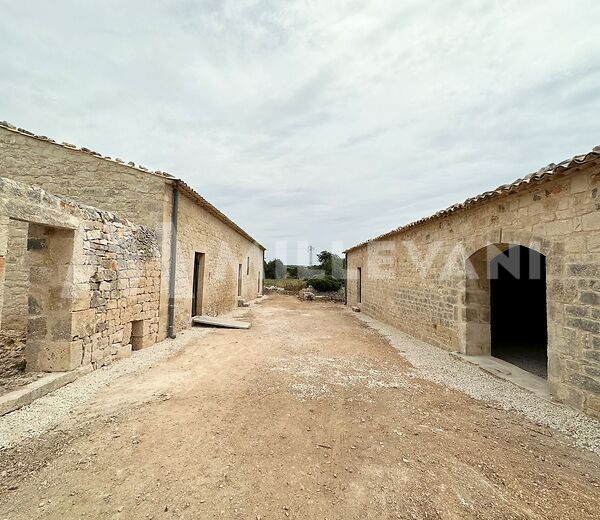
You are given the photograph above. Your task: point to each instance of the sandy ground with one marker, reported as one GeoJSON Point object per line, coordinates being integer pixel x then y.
{"type": "Point", "coordinates": [309, 414]}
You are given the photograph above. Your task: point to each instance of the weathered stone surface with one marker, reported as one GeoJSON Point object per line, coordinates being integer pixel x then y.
{"type": "Point", "coordinates": [419, 280]}
{"type": "Point", "coordinates": [224, 251]}
{"type": "Point", "coordinates": [55, 356]}
{"type": "Point", "coordinates": [306, 294]}
{"type": "Point", "coordinates": [12, 353]}
{"type": "Point", "coordinates": [123, 351]}
{"type": "Point", "coordinates": [146, 199]}
{"type": "Point", "coordinates": [70, 298]}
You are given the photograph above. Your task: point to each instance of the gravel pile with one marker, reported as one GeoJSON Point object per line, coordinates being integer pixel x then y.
{"type": "Point", "coordinates": [44, 413]}
{"type": "Point", "coordinates": [436, 365]}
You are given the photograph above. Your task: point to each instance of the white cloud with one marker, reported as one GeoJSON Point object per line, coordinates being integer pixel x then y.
{"type": "Point", "coordinates": [318, 121]}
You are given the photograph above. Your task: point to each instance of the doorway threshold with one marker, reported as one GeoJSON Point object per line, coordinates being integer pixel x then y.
{"type": "Point", "coordinates": [509, 372]}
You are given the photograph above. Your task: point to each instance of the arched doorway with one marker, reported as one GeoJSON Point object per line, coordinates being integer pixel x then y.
{"type": "Point", "coordinates": [518, 322]}
{"type": "Point", "coordinates": [505, 306]}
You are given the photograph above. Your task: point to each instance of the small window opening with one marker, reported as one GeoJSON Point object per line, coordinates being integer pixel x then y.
{"type": "Point", "coordinates": [137, 334]}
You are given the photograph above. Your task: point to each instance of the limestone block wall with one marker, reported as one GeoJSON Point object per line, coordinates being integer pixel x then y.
{"type": "Point", "coordinates": [48, 334]}
{"type": "Point", "coordinates": [224, 250]}
{"type": "Point", "coordinates": [418, 279]}
{"type": "Point", "coordinates": [13, 290]}
{"type": "Point", "coordinates": [14, 312]}
{"type": "Point", "coordinates": [93, 280]}
{"type": "Point", "coordinates": [146, 198]}
{"type": "Point", "coordinates": [83, 175]}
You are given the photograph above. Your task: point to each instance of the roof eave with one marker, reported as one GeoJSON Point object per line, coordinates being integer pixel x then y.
{"type": "Point", "coordinates": [215, 211]}
{"type": "Point", "coordinates": [545, 174]}
{"type": "Point", "coordinates": [163, 175]}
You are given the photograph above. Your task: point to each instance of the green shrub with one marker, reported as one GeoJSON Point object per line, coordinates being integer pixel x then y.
{"type": "Point", "coordinates": [325, 283]}
{"type": "Point", "coordinates": [289, 284]}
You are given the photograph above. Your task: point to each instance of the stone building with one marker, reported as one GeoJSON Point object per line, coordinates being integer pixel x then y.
{"type": "Point", "coordinates": [513, 273]}
{"type": "Point", "coordinates": [210, 267]}
{"type": "Point", "coordinates": [82, 289]}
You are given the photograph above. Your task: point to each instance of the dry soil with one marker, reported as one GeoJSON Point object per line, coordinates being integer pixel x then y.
{"type": "Point", "coordinates": [309, 414]}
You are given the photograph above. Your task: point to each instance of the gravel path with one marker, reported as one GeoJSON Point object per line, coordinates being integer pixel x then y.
{"type": "Point", "coordinates": [439, 366]}
{"type": "Point", "coordinates": [44, 413]}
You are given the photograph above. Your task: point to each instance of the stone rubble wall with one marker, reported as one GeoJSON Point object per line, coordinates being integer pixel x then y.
{"type": "Point", "coordinates": [12, 353]}
{"type": "Point", "coordinates": [93, 280]}
{"type": "Point", "coordinates": [145, 198]}
{"type": "Point", "coordinates": [416, 279]}
{"type": "Point", "coordinates": [120, 289]}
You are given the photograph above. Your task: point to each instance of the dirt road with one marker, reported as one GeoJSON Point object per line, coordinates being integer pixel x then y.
{"type": "Point", "coordinates": [309, 414]}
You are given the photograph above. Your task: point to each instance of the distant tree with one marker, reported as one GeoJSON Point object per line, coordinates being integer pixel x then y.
{"type": "Point", "coordinates": [338, 268]}
{"type": "Point", "coordinates": [332, 264]}
{"type": "Point", "coordinates": [274, 269]}
{"type": "Point", "coordinates": [324, 258]}
{"type": "Point", "coordinates": [292, 271]}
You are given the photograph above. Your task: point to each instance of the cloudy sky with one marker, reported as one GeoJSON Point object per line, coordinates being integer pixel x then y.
{"type": "Point", "coordinates": [323, 122]}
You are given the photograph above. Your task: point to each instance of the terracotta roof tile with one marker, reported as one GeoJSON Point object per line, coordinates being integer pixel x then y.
{"type": "Point", "coordinates": [168, 177]}
{"type": "Point", "coordinates": [543, 174]}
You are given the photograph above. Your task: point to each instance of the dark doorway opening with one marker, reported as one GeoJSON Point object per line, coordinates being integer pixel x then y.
{"type": "Point", "coordinates": [359, 284]}
{"type": "Point", "coordinates": [197, 284]}
{"type": "Point", "coordinates": [518, 320]}
{"type": "Point", "coordinates": [240, 280]}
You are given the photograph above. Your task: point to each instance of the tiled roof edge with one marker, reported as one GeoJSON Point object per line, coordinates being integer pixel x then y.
{"type": "Point", "coordinates": [8, 126]}
{"type": "Point", "coordinates": [168, 177]}
{"type": "Point", "coordinates": [544, 174]}
{"type": "Point", "coordinates": [215, 211]}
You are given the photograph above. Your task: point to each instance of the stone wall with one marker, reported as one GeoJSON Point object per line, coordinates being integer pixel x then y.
{"type": "Point", "coordinates": [14, 311]}
{"type": "Point", "coordinates": [429, 280]}
{"type": "Point", "coordinates": [116, 307]}
{"type": "Point", "coordinates": [85, 176]}
{"type": "Point", "coordinates": [12, 354]}
{"type": "Point", "coordinates": [224, 250]}
{"type": "Point", "coordinates": [92, 281]}
{"type": "Point", "coordinates": [145, 198]}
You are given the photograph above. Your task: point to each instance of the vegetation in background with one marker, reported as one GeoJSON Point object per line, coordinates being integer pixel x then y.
{"type": "Point", "coordinates": [309, 272]}
{"type": "Point", "coordinates": [327, 276]}
{"type": "Point", "coordinates": [332, 264]}
{"type": "Point", "coordinates": [274, 269]}
{"type": "Point", "coordinates": [325, 283]}
{"type": "Point", "coordinates": [289, 284]}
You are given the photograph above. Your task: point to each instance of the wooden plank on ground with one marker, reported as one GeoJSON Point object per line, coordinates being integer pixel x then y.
{"type": "Point", "coordinates": [211, 321]}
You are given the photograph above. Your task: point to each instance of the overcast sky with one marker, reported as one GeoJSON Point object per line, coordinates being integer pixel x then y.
{"type": "Point", "coordinates": [323, 122]}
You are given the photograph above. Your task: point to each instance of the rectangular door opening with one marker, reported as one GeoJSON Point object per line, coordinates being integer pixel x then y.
{"type": "Point", "coordinates": [359, 284]}
{"type": "Point", "coordinates": [239, 279]}
{"type": "Point", "coordinates": [198, 284]}
{"type": "Point", "coordinates": [518, 319]}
